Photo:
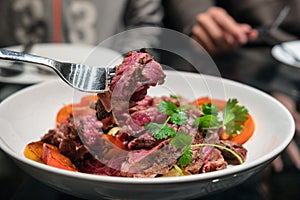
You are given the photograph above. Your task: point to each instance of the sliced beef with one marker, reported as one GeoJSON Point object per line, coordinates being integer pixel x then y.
{"type": "Point", "coordinates": [206, 158]}
{"type": "Point", "coordinates": [215, 162]}
{"type": "Point", "coordinates": [144, 141]}
{"type": "Point", "coordinates": [132, 79]}
{"type": "Point", "coordinates": [196, 163]}
{"type": "Point", "coordinates": [238, 148]}
{"type": "Point", "coordinates": [134, 124]}
{"type": "Point", "coordinates": [202, 163]}
{"type": "Point", "coordinates": [150, 163]}
{"type": "Point", "coordinates": [212, 136]}
{"type": "Point", "coordinates": [51, 137]}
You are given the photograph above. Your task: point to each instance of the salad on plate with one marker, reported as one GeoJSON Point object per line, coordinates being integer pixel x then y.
{"type": "Point", "coordinates": [125, 132]}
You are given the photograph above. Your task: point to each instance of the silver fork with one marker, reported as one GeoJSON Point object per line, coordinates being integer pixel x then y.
{"type": "Point", "coordinates": [81, 77]}
{"type": "Point", "coordinates": [16, 68]}
{"type": "Point", "coordinates": [264, 31]}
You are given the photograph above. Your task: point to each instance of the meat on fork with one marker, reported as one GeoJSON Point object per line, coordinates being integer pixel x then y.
{"type": "Point", "coordinates": [132, 79]}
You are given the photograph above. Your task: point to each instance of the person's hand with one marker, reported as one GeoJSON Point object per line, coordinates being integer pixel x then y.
{"type": "Point", "coordinates": [218, 32]}
{"type": "Point", "coordinates": [292, 149]}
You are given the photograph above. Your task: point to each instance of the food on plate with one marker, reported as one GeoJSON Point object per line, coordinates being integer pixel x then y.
{"type": "Point", "coordinates": [125, 132]}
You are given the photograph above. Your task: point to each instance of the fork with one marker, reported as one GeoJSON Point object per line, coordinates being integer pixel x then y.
{"type": "Point", "coordinates": [79, 76]}
{"type": "Point", "coordinates": [16, 68]}
{"type": "Point", "coordinates": [264, 31]}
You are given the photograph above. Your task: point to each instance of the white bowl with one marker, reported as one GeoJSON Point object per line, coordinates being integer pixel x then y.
{"type": "Point", "coordinates": [28, 114]}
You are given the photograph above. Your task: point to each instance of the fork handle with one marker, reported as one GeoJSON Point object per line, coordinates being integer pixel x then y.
{"type": "Point", "coordinates": [6, 54]}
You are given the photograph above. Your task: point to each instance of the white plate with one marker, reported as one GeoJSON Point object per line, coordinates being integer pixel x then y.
{"type": "Point", "coordinates": [76, 53]}
{"type": "Point", "coordinates": [27, 115]}
{"type": "Point", "coordinates": [285, 57]}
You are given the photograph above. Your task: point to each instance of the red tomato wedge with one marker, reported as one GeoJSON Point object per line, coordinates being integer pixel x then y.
{"type": "Point", "coordinates": [52, 157]}
{"type": "Point", "coordinates": [249, 125]}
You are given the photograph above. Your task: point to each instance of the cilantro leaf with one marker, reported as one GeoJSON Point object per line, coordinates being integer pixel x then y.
{"type": "Point", "coordinates": [207, 121]}
{"type": "Point", "coordinates": [234, 116]}
{"type": "Point", "coordinates": [166, 107]}
{"type": "Point", "coordinates": [160, 131]}
{"type": "Point", "coordinates": [179, 117]}
{"type": "Point", "coordinates": [186, 157]}
{"type": "Point", "coordinates": [181, 139]}
{"type": "Point", "coordinates": [210, 109]}
{"type": "Point", "coordinates": [153, 127]}
{"type": "Point", "coordinates": [165, 132]}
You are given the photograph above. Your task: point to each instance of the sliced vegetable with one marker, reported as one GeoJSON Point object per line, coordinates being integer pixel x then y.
{"type": "Point", "coordinates": [246, 133]}
{"type": "Point", "coordinates": [82, 108]}
{"type": "Point", "coordinates": [64, 113]}
{"type": "Point", "coordinates": [51, 156]}
{"type": "Point", "coordinates": [205, 100]}
{"type": "Point", "coordinates": [34, 151]}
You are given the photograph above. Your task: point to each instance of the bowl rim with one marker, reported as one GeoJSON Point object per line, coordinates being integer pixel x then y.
{"type": "Point", "coordinates": [163, 180]}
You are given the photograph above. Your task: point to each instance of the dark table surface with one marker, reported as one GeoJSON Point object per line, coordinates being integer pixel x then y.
{"type": "Point", "coordinates": [267, 74]}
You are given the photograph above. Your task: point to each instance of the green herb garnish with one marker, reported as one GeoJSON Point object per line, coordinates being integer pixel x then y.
{"type": "Point", "coordinates": [234, 116]}
{"type": "Point", "coordinates": [206, 122]}
{"type": "Point", "coordinates": [210, 109]}
{"type": "Point", "coordinates": [160, 131]}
